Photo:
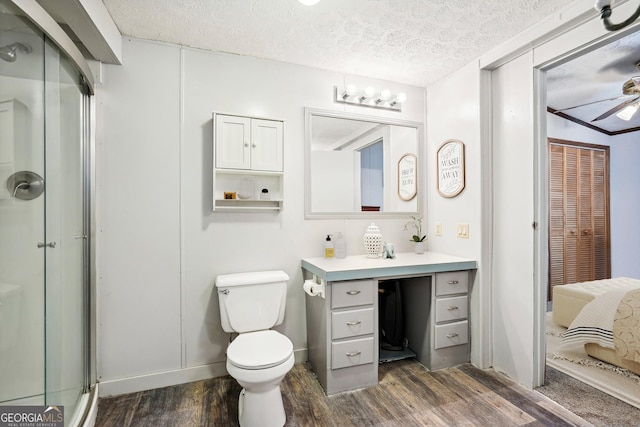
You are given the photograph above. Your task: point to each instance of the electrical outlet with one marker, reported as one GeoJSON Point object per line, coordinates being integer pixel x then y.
{"type": "Point", "coordinates": [438, 228]}
{"type": "Point", "coordinates": [463, 230]}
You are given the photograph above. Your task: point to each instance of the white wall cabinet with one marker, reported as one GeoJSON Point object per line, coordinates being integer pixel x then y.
{"type": "Point", "coordinates": [248, 159]}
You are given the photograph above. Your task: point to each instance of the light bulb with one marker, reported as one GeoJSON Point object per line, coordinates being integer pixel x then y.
{"type": "Point", "coordinates": [370, 91]}
{"type": "Point", "coordinates": [349, 91]}
{"type": "Point", "coordinates": [627, 112]}
{"type": "Point", "coordinates": [385, 94]}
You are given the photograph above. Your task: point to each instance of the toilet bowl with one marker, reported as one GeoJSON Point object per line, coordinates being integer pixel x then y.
{"type": "Point", "coordinates": [258, 358]}
{"type": "Point", "coordinates": [259, 361]}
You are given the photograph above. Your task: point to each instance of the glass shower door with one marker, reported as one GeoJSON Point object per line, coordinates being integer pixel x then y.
{"type": "Point", "coordinates": [44, 281]}
{"type": "Point", "coordinates": [65, 246]}
{"type": "Point", "coordinates": [21, 215]}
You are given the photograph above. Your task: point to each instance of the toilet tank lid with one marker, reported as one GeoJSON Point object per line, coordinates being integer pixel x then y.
{"type": "Point", "coordinates": [241, 279]}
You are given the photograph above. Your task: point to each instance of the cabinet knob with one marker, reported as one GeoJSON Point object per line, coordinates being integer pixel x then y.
{"type": "Point", "coordinates": [246, 144]}
{"type": "Point", "coordinates": [353, 292]}
{"type": "Point", "coordinates": [353, 353]}
{"type": "Point", "coordinates": [253, 145]}
{"type": "Point", "coordinates": [357, 322]}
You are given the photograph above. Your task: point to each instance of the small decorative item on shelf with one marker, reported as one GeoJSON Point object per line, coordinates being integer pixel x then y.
{"type": "Point", "coordinates": [373, 241]}
{"type": "Point", "coordinates": [264, 194]}
{"type": "Point", "coordinates": [388, 251]}
{"type": "Point", "coordinates": [418, 237]}
{"type": "Point", "coordinates": [246, 187]}
{"type": "Point", "coordinates": [229, 195]}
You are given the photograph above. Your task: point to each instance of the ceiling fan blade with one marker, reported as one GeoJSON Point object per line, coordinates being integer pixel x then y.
{"type": "Point", "coordinates": [590, 103]}
{"type": "Point", "coordinates": [616, 109]}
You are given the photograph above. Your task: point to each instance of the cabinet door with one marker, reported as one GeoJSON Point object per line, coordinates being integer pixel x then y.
{"type": "Point", "coordinates": [579, 240]}
{"type": "Point", "coordinates": [233, 139]}
{"type": "Point", "coordinates": [266, 145]}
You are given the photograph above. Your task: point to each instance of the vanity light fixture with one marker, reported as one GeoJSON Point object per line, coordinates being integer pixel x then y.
{"type": "Point", "coordinates": [604, 8]}
{"type": "Point", "coordinates": [370, 97]}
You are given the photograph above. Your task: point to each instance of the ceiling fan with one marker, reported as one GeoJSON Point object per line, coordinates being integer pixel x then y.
{"type": "Point", "coordinates": [627, 108]}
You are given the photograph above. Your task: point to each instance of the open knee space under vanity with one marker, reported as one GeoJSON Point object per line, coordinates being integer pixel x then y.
{"type": "Point", "coordinates": [344, 326]}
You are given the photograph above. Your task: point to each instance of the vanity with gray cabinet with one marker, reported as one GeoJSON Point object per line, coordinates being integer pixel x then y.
{"type": "Point", "coordinates": [342, 326]}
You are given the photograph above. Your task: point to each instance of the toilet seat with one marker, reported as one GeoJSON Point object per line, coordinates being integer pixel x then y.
{"type": "Point", "coordinates": [259, 350]}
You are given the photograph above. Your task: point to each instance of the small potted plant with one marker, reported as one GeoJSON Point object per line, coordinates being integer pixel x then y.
{"type": "Point", "coordinates": [418, 237]}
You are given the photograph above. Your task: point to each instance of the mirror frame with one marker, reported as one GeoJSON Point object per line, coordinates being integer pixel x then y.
{"type": "Point", "coordinates": [309, 113]}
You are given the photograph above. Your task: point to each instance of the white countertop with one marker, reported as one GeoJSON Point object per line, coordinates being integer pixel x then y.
{"type": "Point", "coordinates": [405, 263]}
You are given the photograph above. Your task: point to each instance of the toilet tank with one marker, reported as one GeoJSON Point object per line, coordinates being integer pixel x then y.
{"type": "Point", "coordinates": [252, 301]}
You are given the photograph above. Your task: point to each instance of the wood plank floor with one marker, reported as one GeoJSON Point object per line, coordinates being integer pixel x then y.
{"type": "Point", "coordinates": [408, 395]}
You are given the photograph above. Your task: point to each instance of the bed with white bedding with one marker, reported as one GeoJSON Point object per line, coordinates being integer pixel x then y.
{"type": "Point", "coordinates": [568, 300]}
{"type": "Point", "coordinates": [609, 328]}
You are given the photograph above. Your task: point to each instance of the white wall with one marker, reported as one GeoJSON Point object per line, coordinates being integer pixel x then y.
{"type": "Point", "coordinates": [138, 215]}
{"type": "Point", "coordinates": [160, 245]}
{"type": "Point", "coordinates": [624, 152]}
{"type": "Point", "coordinates": [453, 113]}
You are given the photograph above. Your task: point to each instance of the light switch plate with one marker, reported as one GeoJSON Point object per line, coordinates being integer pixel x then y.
{"type": "Point", "coordinates": [463, 230]}
{"type": "Point", "coordinates": [438, 228]}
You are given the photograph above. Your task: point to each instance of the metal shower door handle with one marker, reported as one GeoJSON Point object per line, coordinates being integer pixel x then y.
{"type": "Point", "coordinates": [47, 245]}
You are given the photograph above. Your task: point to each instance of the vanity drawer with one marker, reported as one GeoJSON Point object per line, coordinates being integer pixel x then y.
{"type": "Point", "coordinates": [345, 324]}
{"type": "Point", "coordinates": [351, 353]}
{"type": "Point", "coordinates": [451, 308]}
{"type": "Point", "coordinates": [351, 293]}
{"type": "Point", "coordinates": [451, 334]}
{"type": "Point", "coordinates": [455, 282]}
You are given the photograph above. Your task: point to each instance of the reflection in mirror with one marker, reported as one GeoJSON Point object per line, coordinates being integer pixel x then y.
{"type": "Point", "coordinates": [352, 165]}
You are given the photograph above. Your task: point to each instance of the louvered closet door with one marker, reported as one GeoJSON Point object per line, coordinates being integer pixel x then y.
{"type": "Point", "coordinates": [578, 213]}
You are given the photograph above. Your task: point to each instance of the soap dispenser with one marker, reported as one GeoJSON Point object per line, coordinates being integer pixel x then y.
{"type": "Point", "coordinates": [328, 247]}
{"type": "Point", "coordinates": [340, 249]}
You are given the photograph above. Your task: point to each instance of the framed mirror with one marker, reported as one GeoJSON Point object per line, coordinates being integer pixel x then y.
{"type": "Point", "coordinates": [361, 166]}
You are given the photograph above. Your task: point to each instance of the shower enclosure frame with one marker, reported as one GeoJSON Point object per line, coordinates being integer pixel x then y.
{"type": "Point", "coordinates": [87, 404]}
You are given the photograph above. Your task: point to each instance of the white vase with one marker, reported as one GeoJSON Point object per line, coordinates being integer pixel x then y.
{"type": "Point", "coordinates": [419, 248]}
{"type": "Point", "coordinates": [373, 241]}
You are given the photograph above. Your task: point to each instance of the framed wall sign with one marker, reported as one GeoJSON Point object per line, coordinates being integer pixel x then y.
{"type": "Point", "coordinates": [451, 168]}
{"type": "Point", "coordinates": [407, 177]}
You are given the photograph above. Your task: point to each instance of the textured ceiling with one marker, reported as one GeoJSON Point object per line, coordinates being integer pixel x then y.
{"type": "Point", "coordinates": [409, 41]}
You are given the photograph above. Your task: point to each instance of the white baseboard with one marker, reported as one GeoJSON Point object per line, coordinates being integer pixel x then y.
{"type": "Point", "coordinates": [169, 378]}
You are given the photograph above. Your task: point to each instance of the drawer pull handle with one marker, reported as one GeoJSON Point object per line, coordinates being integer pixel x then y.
{"type": "Point", "coordinates": [353, 353]}
{"type": "Point", "coordinates": [357, 322]}
{"type": "Point", "coordinates": [452, 335]}
{"type": "Point", "coordinates": [453, 307]}
{"type": "Point", "coordinates": [353, 292]}
{"type": "Point", "coordinates": [452, 282]}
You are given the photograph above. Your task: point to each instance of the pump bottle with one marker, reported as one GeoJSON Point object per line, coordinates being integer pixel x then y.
{"type": "Point", "coordinates": [328, 247]}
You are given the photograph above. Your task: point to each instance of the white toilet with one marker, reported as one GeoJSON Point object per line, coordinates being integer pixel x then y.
{"type": "Point", "coordinates": [259, 358]}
